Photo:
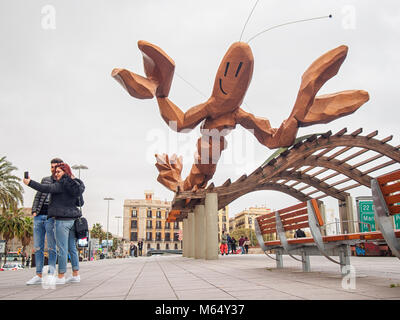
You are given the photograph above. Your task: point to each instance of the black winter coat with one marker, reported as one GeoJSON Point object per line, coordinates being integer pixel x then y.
{"type": "Point", "coordinates": [65, 196]}
{"type": "Point", "coordinates": [40, 197]}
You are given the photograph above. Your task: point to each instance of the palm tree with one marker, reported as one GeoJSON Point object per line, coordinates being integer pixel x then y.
{"type": "Point", "coordinates": [97, 232]}
{"type": "Point", "coordinates": [25, 235]}
{"type": "Point", "coordinates": [10, 189]}
{"type": "Point", "coordinates": [11, 223]}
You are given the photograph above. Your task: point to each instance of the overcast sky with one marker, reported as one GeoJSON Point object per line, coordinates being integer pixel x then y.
{"type": "Point", "coordinates": [58, 99]}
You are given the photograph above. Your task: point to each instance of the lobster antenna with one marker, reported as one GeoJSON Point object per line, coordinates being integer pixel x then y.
{"type": "Point", "coordinates": [248, 18]}
{"type": "Point", "coordinates": [284, 24]}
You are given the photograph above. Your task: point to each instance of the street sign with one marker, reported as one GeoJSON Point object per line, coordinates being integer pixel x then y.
{"type": "Point", "coordinates": [2, 246]}
{"type": "Point", "coordinates": [366, 214]}
{"type": "Point", "coordinates": [396, 219]}
{"type": "Point", "coordinates": [104, 243]}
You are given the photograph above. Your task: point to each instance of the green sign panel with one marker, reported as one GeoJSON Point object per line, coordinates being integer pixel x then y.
{"type": "Point", "coordinates": [397, 221]}
{"type": "Point", "coordinates": [366, 214]}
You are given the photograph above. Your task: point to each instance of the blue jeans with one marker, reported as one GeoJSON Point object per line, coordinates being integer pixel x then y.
{"type": "Point", "coordinates": [66, 244]}
{"type": "Point", "coordinates": [243, 251]}
{"type": "Point", "coordinates": [42, 227]}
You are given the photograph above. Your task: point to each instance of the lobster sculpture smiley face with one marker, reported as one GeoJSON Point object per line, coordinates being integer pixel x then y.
{"type": "Point", "coordinates": [222, 111]}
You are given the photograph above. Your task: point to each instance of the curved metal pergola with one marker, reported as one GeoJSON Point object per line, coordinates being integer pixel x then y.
{"type": "Point", "coordinates": [316, 161]}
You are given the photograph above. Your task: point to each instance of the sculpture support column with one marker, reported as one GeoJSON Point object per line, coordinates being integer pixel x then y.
{"type": "Point", "coordinates": [200, 229]}
{"type": "Point", "coordinates": [323, 214]}
{"type": "Point", "coordinates": [185, 238]}
{"type": "Point", "coordinates": [211, 209]}
{"type": "Point", "coordinates": [191, 234]}
{"type": "Point", "coordinates": [353, 226]}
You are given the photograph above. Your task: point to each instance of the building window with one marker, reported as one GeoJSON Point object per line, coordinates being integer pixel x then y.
{"type": "Point", "coordinates": [223, 218]}
{"type": "Point", "coordinates": [176, 236]}
{"type": "Point", "coordinates": [158, 224]}
{"type": "Point", "coordinates": [149, 236]}
{"type": "Point", "coordinates": [148, 213]}
{"type": "Point", "coordinates": [148, 246]}
{"type": "Point", "coordinates": [176, 246]}
{"type": "Point", "coordinates": [134, 213]}
{"type": "Point", "coordinates": [158, 246]}
{"type": "Point", "coordinates": [166, 214]}
{"type": "Point", "coordinates": [176, 225]}
{"type": "Point", "coordinates": [168, 237]}
{"type": "Point", "coordinates": [250, 220]}
{"type": "Point", "coordinates": [224, 226]}
{"type": "Point", "coordinates": [158, 214]}
{"type": "Point", "coordinates": [167, 225]}
{"type": "Point", "coordinates": [149, 224]}
{"type": "Point", "coordinates": [158, 236]}
{"type": "Point", "coordinates": [134, 224]}
{"type": "Point", "coordinates": [133, 236]}
{"type": "Point", "coordinates": [167, 246]}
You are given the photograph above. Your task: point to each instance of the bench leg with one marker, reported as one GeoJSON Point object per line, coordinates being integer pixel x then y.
{"type": "Point", "coordinates": [279, 259]}
{"type": "Point", "coordinates": [344, 256]}
{"type": "Point", "coordinates": [305, 262]}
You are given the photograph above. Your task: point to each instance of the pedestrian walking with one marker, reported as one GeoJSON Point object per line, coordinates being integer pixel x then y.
{"type": "Point", "coordinates": [43, 228]}
{"type": "Point", "coordinates": [233, 245]}
{"type": "Point", "coordinates": [246, 244]}
{"type": "Point", "coordinates": [224, 244]}
{"type": "Point", "coordinates": [28, 261]}
{"type": "Point", "coordinates": [241, 244]}
{"type": "Point", "coordinates": [229, 243]}
{"type": "Point", "coordinates": [66, 196]}
{"type": "Point", "coordinates": [131, 250]}
{"type": "Point", "coordinates": [140, 246]}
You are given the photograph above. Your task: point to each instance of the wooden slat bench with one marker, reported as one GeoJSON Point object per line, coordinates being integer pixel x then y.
{"type": "Point", "coordinates": [386, 196]}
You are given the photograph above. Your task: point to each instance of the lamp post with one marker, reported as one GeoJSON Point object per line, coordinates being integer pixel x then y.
{"type": "Point", "coordinates": [79, 167]}
{"type": "Point", "coordinates": [108, 214]}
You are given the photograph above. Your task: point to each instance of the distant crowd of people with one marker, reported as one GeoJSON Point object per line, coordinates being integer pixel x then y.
{"type": "Point", "coordinates": [136, 250]}
{"type": "Point", "coordinates": [228, 244]}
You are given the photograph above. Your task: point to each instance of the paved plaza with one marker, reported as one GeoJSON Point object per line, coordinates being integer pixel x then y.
{"type": "Point", "coordinates": [232, 277]}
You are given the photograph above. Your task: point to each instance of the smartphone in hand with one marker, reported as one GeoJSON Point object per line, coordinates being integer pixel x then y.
{"type": "Point", "coordinates": [26, 175]}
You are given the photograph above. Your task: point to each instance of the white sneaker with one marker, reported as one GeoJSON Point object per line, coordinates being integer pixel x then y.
{"type": "Point", "coordinates": [60, 280]}
{"type": "Point", "coordinates": [35, 280]}
{"type": "Point", "coordinates": [74, 279]}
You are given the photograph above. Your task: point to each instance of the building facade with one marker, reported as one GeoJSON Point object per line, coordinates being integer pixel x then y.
{"type": "Point", "coordinates": [145, 220]}
{"type": "Point", "coordinates": [223, 221]}
{"type": "Point", "coordinates": [246, 218]}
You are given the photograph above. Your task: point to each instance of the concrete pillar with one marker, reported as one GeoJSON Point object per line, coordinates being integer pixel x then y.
{"type": "Point", "coordinates": [185, 238]}
{"type": "Point", "coordinates": [344, 226]}
{"type": "Point", "coordinates": [352, 215]}
{"type": "Point", "coordinates": [200, 230]}
{"type": "Point", "coordinates": [191, 234]}
{"type": "Point", "coordinates": [211, 210]}
{"type": "Point", "coordinates": [346, 213]}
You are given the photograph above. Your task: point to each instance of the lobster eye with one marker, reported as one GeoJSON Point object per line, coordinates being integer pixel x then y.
{"type": "Point", "coordinates": [226, 69]}
{"type": "Point", "coordinates": [238, 69]}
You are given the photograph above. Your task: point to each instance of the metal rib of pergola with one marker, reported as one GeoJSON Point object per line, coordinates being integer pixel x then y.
{"type": "Point", "coordinates": [310, 168]}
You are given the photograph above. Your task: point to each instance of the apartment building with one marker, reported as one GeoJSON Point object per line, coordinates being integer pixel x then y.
{"type": "Point", "coordinates": [145, 220]}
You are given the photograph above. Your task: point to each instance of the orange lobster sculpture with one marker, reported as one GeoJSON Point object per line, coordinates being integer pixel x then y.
{"type": "Point", "coordinates": [222, 111]}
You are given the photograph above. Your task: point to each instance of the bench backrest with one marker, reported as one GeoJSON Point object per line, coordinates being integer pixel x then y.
{"type": "Point", "coordinates": [390, 188]}
{"type": "Point", "coordinates": [292, 218]}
